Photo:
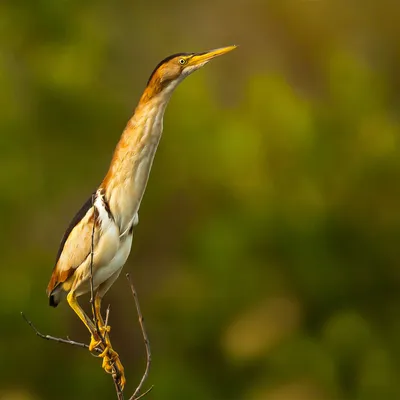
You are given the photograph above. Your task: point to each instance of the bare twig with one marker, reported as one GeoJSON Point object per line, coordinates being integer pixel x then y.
{"type": "Point", "coordinates": [56, 339]}
{"type": "Point", "coordinates": [143, 394]}
{"type": "Point", "coordinates": [118, 390]}
{"type": "Point", "coordinates": [107, 315]}
{"type": "Point", "coordinates": [120, 396]}
{"type": "Point", "coordinates": [135, 395]}
{"type": "Point", "coordinates": [96, 322]}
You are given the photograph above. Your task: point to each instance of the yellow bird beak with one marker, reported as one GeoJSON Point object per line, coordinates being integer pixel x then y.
{"type": "Point", "coordinates": [201, 58]}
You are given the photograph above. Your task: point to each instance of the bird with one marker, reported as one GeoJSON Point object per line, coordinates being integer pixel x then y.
{"type": "Point", "coordinates": [98, 240]}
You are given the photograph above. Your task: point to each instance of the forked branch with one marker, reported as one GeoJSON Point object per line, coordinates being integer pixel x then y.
{"type": "Point", "coordinates": [136, 395]}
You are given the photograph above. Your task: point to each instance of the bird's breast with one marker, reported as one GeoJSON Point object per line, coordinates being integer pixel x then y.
{"type": "Point", "coordinates": [116, 263]}
{"type": "Point", "coordinates": [126, 197]}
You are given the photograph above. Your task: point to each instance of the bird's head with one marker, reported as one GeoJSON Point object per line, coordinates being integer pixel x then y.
{"type": "Point", "coordinates": [173, 69]}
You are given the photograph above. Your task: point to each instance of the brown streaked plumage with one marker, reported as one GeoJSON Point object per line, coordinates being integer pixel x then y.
{"type": "Point", "coordinates": [115, 205]}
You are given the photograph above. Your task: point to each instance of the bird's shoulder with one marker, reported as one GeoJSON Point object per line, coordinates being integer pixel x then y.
{"type": "Point", "coordinates": [74, 222]}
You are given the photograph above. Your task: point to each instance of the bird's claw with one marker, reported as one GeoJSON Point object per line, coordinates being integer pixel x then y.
{"type": "Point", "coordinates": [100, 338]}
{"type": "Point", "coordinates": [104, 329]}
{"type": "Point", "coordinates": [112, 363]}
{"type": "Point", "coordinates": [95, 342]}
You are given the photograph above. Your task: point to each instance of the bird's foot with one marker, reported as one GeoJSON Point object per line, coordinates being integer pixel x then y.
{"type": "Point", "coordinates": [100, 338]}
{"type": "Point", "coordinates": [95, 341]}
{"type": "Point", "coordinates": [112, 364]}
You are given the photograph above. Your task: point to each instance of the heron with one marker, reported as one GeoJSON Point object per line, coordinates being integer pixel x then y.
{"type": "Point", "coordinates": [98, 240]}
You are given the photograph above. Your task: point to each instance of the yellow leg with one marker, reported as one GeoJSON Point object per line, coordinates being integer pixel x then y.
{"type": "Point", "coordinates": [104, 330]}
{"type": "Point", "coordinates": [97, 310]}
{"type": "Point", "coordinates": [71, 298]}
{"type": "Point", "coordinates": [73, 302]}
{"type": "Point", "coordinates": [110, 357]}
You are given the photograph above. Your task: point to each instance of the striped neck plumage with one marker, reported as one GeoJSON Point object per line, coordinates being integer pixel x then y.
{"type": "Point", "coordinates": [126, 180]}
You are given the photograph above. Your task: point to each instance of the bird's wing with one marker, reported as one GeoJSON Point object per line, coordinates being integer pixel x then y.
{"type": "Point", "coordinates": [75, 246]}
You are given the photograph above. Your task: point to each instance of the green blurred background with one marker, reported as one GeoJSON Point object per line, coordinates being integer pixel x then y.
{"type": "Point", "coordinates": [266, 258]}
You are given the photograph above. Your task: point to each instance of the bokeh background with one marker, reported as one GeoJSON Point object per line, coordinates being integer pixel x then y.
{"type": "Point", "coordinates": [267, 254]}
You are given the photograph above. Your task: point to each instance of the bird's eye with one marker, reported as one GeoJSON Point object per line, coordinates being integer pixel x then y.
{"type": "Point", "coordinates": [182, 61]}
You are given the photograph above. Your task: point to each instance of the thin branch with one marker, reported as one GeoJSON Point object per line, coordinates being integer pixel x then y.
{"type": "Point", "coordinates": [135, 395]}
{"type": "Point", "coordinates": [96, 323]}
{"type": "Point", "coordinates": [107, 314]}
{"type": "Point", "coordinates": [143, 394]}
{"type": "Point", "coordinates": [118, 390]}
{"type": "Point", "coordinates": [56, 339]}
{"type": "Point", "coordinates": [120, 395]}
{"type": "Point", "coordinates": [115, 375]}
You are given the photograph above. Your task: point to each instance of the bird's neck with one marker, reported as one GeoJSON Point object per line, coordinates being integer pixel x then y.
{"type": "Point", "coordinates": [127, 176]}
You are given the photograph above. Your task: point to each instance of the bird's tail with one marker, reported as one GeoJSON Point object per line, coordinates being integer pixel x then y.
{"type": "Point", "coordinates": [56, 295]}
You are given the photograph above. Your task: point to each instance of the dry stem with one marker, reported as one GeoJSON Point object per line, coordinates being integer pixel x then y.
{"type": "Point", "coordinates": [146, 343]}
{"type": "Point", "coordinates": [136, 395]}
